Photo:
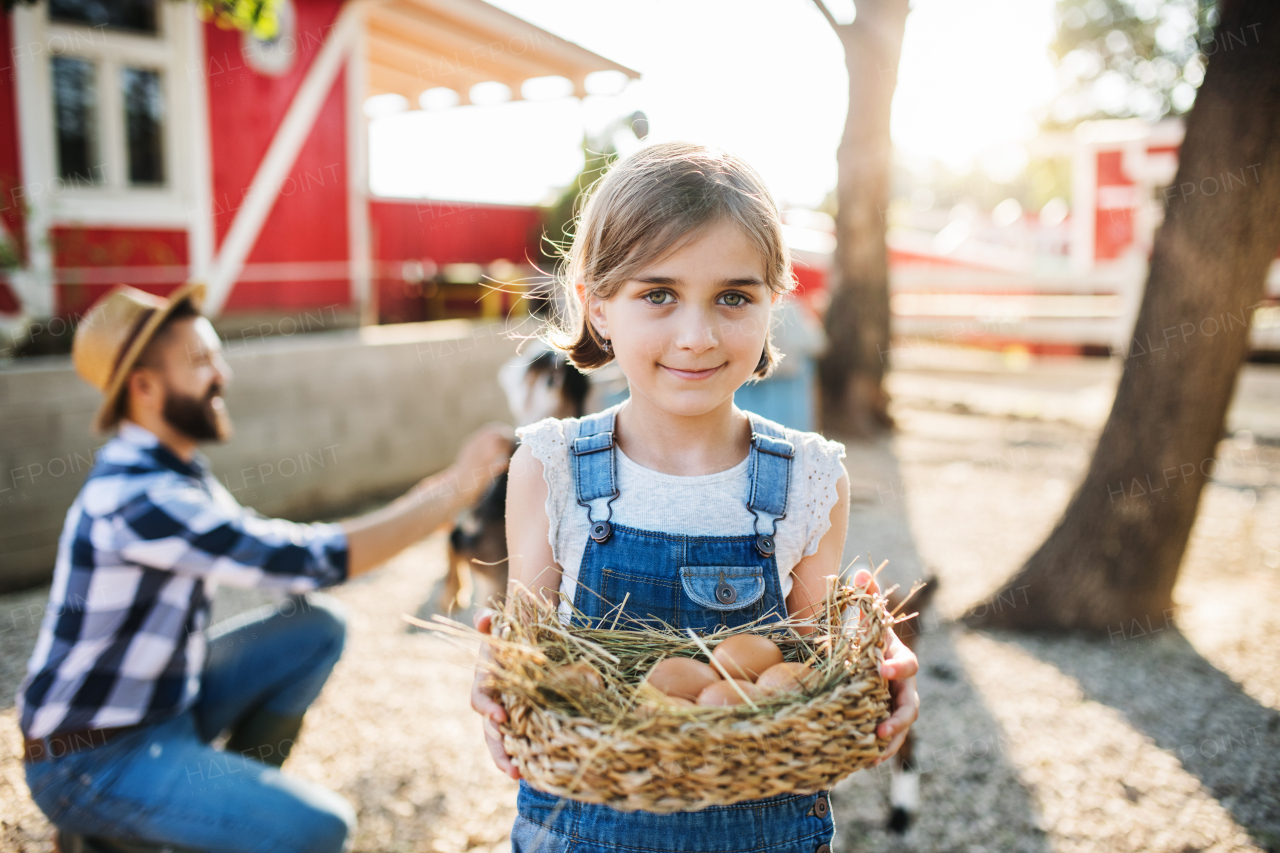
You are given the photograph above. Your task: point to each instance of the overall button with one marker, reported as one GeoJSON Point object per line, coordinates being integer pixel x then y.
{"type": "Point", "coordinates": [601, 530]}
{"type": "Point", "coordinates": [765, 545]}
{"type": "Point", "coordinates": [725, 594]}
{"type": "Point", "coordinates": [820, 807]}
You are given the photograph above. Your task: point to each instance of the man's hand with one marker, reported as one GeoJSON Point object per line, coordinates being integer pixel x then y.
{"type": "Point", "coordinates": [485, 454]}
{"type": "Point", "coordinates": [900, 667]}
{"type": "Point", "coordinates": [484, 703]}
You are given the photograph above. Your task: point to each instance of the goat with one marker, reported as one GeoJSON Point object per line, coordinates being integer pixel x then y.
{"type": "Point", "coordinates": [546, 386]}
{"type": "Point", "coordinates": [904, 790]}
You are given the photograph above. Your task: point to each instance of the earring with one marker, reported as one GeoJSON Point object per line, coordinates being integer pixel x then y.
{"type": "Point", "coordinates": [608, 345]}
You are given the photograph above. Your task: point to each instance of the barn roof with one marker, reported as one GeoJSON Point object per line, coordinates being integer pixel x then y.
{"type": "Point", "coordinates": [414, 45]}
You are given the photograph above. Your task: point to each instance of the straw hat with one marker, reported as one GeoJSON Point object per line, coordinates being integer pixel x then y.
{"type": "Point", "coordinates": [111, 337]}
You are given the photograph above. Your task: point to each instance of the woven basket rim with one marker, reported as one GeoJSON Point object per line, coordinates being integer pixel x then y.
{"type": "Point", "coordinates": [840, 718]}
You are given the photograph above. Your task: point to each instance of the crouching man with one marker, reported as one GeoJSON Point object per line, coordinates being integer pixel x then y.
{"type": "Point", "coordinates": [126, 690]}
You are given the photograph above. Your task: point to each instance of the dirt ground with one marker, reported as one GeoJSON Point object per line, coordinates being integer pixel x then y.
{"type": "Point", "coordinates": [1157, 738]}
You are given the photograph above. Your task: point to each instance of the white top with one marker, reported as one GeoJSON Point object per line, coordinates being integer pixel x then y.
{"type": "Point", "coordinates": [652, 500]}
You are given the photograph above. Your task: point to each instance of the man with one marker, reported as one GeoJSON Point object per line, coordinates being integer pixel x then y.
{"type": "Point", "coordinates": [125, 692]}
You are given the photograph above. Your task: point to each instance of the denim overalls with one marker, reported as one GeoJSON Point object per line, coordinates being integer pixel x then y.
{"type": "Point", "coordinates": [699, 582]}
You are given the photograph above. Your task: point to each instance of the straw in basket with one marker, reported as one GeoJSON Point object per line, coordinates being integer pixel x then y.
{"type": "Point", "coordinates": [582, 723]}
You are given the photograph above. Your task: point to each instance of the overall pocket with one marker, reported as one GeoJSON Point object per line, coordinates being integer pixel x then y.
{"type": "Point", "coordinates": [720, 596]}
{"type": "Point", "coordinates": [631, 599]}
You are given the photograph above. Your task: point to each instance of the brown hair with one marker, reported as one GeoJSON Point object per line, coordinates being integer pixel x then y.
{"type": "Point", "coordinates": [643, 208]}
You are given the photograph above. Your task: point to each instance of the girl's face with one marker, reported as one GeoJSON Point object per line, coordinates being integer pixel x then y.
{"type": "Point", "coordinates": [689, 329]}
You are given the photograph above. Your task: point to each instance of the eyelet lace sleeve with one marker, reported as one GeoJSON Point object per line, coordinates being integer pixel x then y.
{"type": "Point", "coordinates": [820, 469]}
{"type": "Point", "coordinates": [546, 439]}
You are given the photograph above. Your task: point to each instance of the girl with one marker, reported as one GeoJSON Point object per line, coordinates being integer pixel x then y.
{"type": "Point", "coordinates": [675, 504]}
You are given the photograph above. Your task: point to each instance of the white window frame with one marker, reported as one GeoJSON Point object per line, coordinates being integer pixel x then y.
{"type": "Point", "coordinates": [176, 51]}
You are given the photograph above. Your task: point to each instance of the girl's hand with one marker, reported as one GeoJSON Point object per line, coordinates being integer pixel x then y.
{"type": "Point", "coordinates": [900, 667]}
{"type": "Point", "coordinates": [484, 703]}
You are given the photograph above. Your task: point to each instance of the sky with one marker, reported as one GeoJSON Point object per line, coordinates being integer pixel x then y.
{"type": "Point", "coordinates": [762, 78]}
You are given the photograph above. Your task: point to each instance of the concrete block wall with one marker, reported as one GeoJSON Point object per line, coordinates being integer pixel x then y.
{"type": "Point", "coordinates": [322, 421]}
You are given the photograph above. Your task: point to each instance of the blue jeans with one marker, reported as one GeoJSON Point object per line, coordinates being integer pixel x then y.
{"type": "Point", "coordinates": [164, 783]}
{"type": "Point", "coordinates": [787, 824]}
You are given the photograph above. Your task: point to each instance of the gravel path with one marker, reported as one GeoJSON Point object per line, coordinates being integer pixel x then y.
{"type": "Point", "coordinates": [392, 731]}
{"type": "Point", "coordinates": [1155, 739]}
{"type": "Point", "coordinates": [1168, 741]}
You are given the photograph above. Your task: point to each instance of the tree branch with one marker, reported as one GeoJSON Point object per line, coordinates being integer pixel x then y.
{"type": "Point", "coordinates": [826, 13]}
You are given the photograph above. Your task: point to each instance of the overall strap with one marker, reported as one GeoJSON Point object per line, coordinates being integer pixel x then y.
{"type": "Point", "coordinates": [594, 473]}
{"type": "Point", "coordinates": [770, 471]}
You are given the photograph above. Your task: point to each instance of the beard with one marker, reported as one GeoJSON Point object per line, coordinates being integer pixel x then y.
{"type": "Point", "coordinates": [198, 418]}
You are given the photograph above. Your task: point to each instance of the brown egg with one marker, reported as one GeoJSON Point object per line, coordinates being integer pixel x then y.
{"type": "Point", "coordinates": [722, 693]}
{"type": "Point", "coordinates": [746, 656]}
{"type": "Point", "coordinates": [680, 702]}
{"type": "Point", "coordinates": [682, 677]}
{"type": "Point", "coordinates": [783, 677]}
{"type": "Point", "coordinates": [580, 675]}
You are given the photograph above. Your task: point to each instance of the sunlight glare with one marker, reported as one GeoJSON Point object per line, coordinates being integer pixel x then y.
{"type": "Point", "coordinates": [763, 78]}
{"type": "Point", "coordinates": [972, 75]}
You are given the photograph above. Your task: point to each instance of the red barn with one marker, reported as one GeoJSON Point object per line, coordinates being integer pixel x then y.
{"type": "Point", "coordinates": [141, 145]}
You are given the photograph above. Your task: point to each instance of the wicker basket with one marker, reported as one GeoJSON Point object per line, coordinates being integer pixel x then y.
{"type": "Point", "coordinates": [633, 756]}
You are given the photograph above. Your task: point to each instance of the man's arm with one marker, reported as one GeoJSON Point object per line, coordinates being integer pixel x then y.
{"type": "Point", "coordinates": [177, 526]}
{"type": "Point", "coordinates": [376, 537]}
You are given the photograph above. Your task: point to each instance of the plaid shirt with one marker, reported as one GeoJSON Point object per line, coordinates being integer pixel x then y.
{"type": "Point", "coordinates": [143, 548]}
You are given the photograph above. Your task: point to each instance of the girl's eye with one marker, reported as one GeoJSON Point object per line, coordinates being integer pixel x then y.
{"type": "Point", "coordinates": [736, 300]}
{"type": "Point", "coordinates": [659, 297]}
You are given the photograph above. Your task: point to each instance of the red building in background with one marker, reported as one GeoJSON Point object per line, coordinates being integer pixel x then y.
{"type": "Point", "coordinates": [1065, 279]}
{"type": "Point", "coordinates": [141, 145]}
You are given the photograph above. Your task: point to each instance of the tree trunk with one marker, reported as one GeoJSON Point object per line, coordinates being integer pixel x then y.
{"type": "Point", "coordinates": [854, 401]}
{"type": "Point", "coordinates": [1111, 563]}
